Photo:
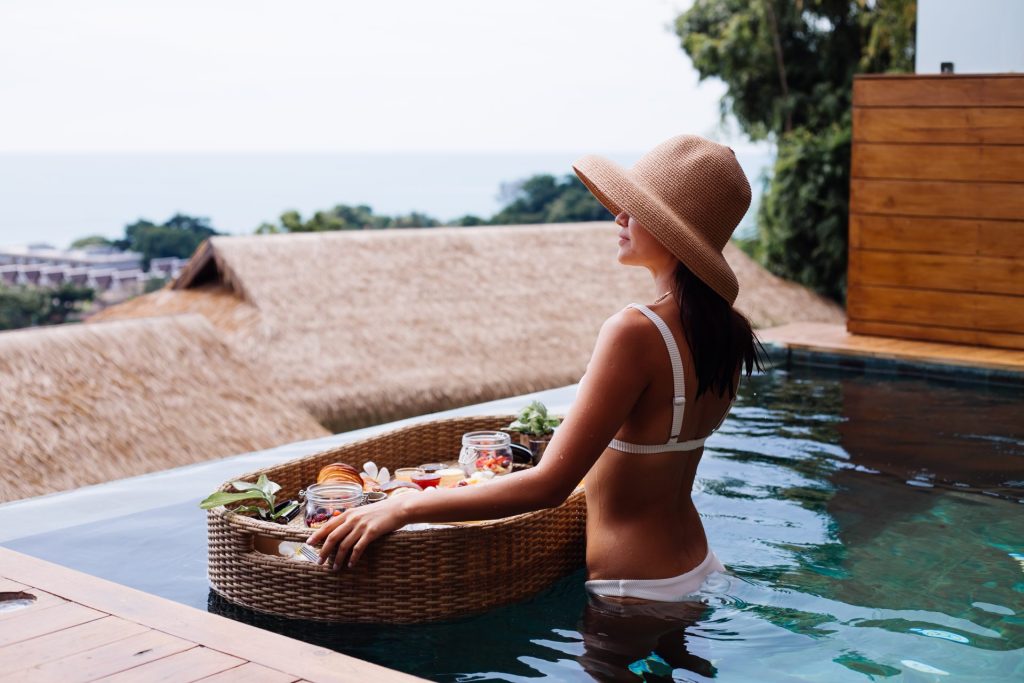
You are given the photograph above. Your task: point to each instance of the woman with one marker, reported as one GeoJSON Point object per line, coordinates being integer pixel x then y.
{"type": "Point", "coordinates": [660, 380]}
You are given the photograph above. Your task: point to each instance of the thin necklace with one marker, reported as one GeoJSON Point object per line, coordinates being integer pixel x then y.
{"type": "Point", "coordinates": [662, 297]}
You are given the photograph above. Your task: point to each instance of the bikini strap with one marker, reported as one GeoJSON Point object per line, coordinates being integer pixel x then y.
{"type": "Point", "coordinates": [678, 381]}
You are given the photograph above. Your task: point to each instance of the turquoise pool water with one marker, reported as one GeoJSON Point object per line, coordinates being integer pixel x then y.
{"type": "Point", "coordinates": [872, 526]}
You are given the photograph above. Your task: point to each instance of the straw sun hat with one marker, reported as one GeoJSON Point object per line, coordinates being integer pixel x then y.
{"type": "Point", "coordinates": [688, 192]}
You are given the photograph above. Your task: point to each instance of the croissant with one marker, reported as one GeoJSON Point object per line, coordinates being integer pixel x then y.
{"type": "Point", "coordinates": [339, 471]}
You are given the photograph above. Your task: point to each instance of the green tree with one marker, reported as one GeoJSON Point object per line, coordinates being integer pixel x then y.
{"type": "Point", "coordinates": [28, 307]}
{"type": "Point", "coordinates": [788, 67]}
{"type": "Point", "coordinates": [547, 199]}
{"type": "Point", "coordinates": [468, 220]}
{"type": "Point", "coordinates": [345, 217]}
{"type": "Point", "coordinates": [178, 236]}
{"type": "Point", "coordinates": [91, 241]}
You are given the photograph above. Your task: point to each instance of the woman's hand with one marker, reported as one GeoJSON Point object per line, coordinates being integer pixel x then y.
{"type": "Point", "coordinates": [354, 529]}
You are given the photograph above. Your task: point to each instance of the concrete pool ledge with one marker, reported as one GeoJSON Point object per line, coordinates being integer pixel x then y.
{"type": "Point", "coordinates": [830, 345]}
{"type": "Point", "coordinates": [81, 628]}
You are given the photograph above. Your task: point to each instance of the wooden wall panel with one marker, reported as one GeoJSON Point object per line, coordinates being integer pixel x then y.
{"type": "Point", "coordinates": [937, 209]}
{"type": "Point", "coordinates": [994, 90]}
{"type": "Point", "coordinates": [940, 125]}
{"type": "Point", "coordinates": [931, 235]}
{"type": "Point", "coordinates": [938, 271]}
{"type": "Point", "coordinates": [951, 335]}
{"type": "Point", "coordinates": [954, 199]}
{"type": "Point", "coordinates": [990, 312]}
{"type": "Point", "coordinates": [989, 163]}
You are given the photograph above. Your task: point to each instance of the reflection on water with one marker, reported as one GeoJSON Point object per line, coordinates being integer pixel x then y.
{"type": "Point", "coordinates": [872, 528]}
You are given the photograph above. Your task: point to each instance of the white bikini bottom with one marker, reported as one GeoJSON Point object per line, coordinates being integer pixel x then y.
{"type": "Point", "coordinates": [672, 589]}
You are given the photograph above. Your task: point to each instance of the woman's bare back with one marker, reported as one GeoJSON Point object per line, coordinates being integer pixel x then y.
{"type": "Point", "coordinates": [641, 522]}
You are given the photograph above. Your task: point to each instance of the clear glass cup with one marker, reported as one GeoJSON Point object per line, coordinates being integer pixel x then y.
{"type": "Point", "coordinates": [450, 476]}
{"type": "Point", "coordinates": [405, 473]}
{"type": "Point", "coordinates": [490, 451]}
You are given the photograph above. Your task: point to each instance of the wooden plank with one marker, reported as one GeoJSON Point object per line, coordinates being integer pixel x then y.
{"type": "Point", "coordinates": [971, 337]}
{"type": "Point", "coordinates": [937, 125]}
{"type": "Point", "coordinates": [108, 659]}
{"type": "Point", "coordinates": [940, 91]}
{"type": "Point", "coordinates": [936, 198]}
{"type": "Point", "coordinates": [64, 643]}
{"type": "Point", "coordinates": [835, 338]}
{"type": "Point", "coordinates": [991, 312]}
{"type": "Point", "coordinates": [190, 665]}
{"type": "Point", "coordinates": [1001, 163]}
{"type": "Point", "coordinates": [43, 599]}
{"type": "Point", "coordinates": [219, 633]}
{"type": "Point", "coordinates": [37, 622]}
{"type": "Point", "coordinates": [937, 271]}
{"type": "Point", "coordinates": [961, 236]}
{"type": "Point", "coordinates": [251, 673]}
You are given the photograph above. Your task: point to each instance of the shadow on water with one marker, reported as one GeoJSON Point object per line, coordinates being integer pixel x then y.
{"type": "Point", "coordinates": [560, 633]}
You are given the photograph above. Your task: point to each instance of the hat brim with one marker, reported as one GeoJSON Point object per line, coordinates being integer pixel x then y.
{"type": "Point", "coordinates": [619, 190]}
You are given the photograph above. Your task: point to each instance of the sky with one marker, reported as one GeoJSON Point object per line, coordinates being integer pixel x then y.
{"type": "Point", "coordinates": [344, 76]}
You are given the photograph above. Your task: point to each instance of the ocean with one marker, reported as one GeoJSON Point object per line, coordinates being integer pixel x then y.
{"type": "Point", "coordinates": [57, 198]}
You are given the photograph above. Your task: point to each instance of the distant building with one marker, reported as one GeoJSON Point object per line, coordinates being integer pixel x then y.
{"type": "Point", "coordinates": [92, 257]}
{"type": "Point", "coordinates": [169, 267]}
{"type": "Point", "coordinates": [102, 268]}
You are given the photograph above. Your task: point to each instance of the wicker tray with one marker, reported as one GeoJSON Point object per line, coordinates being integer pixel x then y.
{"type": "Point", "coordinates": [408, 576]}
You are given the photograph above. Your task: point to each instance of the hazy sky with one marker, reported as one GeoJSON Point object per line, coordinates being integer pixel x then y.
{"type": "Point", "coordinates": [340, 75]}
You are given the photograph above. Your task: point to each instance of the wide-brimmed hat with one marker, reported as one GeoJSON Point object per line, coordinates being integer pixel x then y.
{"type": "Point", "coordinates": [688, 192]}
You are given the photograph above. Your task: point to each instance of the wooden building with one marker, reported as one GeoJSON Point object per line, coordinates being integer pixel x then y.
{"type": "Point", "coordinates": [937, 209]}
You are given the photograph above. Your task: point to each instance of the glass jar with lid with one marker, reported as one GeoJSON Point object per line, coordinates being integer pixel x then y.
{"type": "Point", "coordinates": [489, 451]}
{"type": "Point", "coordinates": [326, 500]}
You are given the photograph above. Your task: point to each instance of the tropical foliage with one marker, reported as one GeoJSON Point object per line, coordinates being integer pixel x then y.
{"type": "Point", "coordinates": [788, 67]}
{"type": "Point", "coordinates": [538, 199]}
{"type": "Point", "coordinates": [30, 306]}
{"type": "Point", "coordinates": [177, 236]}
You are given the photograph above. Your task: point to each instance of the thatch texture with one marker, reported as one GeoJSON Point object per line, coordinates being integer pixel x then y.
{"type": "Point", "coordinates": [362, 327]}
{"type": "Point", "coordinates": [82, 404]}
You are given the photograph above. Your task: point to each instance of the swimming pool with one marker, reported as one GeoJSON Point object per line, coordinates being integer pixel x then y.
{"type": "Point", "coordinates": [872, 524]}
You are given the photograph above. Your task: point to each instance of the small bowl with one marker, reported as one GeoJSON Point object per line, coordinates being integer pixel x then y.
{"type": "Point", "coordinates": [426, 480]}
{"type": "Point", "coordinates": [375, 496]}
{"type": "Point", "coordinates": [405, 473]}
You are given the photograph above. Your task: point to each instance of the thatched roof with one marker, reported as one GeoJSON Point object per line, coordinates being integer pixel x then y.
{"type": "Point", "coordinates": [363, 327]}
{"type": "Point", "coordinates": [82, 404]}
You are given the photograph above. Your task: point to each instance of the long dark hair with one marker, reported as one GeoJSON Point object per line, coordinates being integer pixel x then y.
{"type": "Point", "coordinates": [720, 337]}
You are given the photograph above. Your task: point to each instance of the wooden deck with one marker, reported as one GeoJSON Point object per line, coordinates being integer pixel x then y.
{"type": "Point", "coordinates": [831, 338]}
{"type": "Point", "coordinates": [82, 628]}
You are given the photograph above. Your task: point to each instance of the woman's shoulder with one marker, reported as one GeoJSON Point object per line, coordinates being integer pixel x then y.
{"type": "Point", "coordinates": [628, 326]}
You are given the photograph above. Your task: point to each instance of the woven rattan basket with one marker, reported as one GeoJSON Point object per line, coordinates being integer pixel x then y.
{"type": "Point", "coordinates": [408, 576]}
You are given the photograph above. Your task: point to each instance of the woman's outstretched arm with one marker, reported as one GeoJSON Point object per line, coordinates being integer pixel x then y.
{"type": "Point", "coordinates": [618, 373]}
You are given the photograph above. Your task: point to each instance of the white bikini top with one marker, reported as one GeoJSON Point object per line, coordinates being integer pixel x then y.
{"type": "Point", "coordinates": [678, 398]}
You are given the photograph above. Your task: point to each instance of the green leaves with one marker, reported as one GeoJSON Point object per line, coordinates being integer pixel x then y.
{"type": "Point", "coordinates": [262, 491]}
{"type": "Point", "coordinates": [224, 497]}
{"type": "Point", "coordinates": [534, 420]}
{"type": "Point", "coordinates": [788, 68]}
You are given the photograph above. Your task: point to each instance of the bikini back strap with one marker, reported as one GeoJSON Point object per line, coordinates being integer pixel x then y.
{"type": "Point", "coordinates": [642, 448]}
{"type": "Point", "coordinates": [678, 381]}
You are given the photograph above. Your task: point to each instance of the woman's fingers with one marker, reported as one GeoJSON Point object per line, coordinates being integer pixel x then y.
{"type": "Point", "coordinates": [359, 547]}
{"type": "Point", "coordinates": [321, 533]}
{"type": "Point", "coordinates": [354, 535]}
{"type": "Point", "coordinates": [334, 537]}
{"type": "Point", "coordinates": [347, 536]}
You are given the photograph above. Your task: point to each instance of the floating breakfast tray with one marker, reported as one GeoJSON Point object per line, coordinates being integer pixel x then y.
{"type": "Point", "coordinates": [409, 576]}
